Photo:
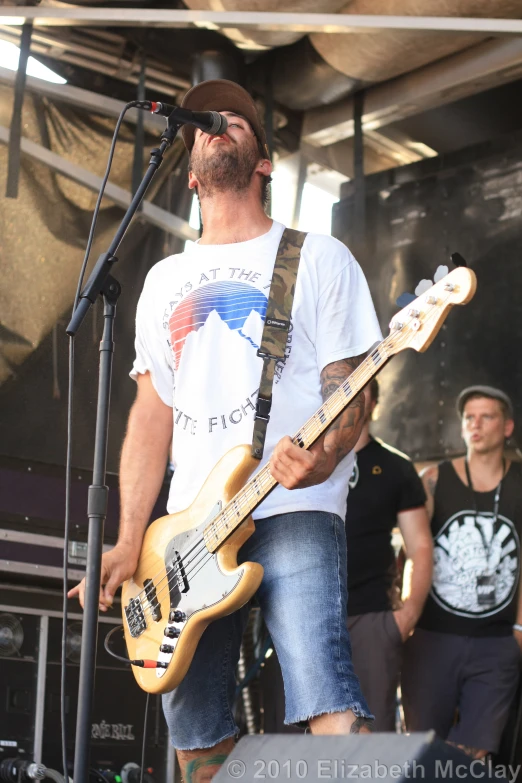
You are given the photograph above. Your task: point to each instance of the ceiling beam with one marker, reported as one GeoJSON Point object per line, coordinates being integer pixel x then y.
{"type": "Point", "coordinates": [253, 20]}
{"type": "Point", "coordinates": [81, 47]}
{"type": "Point", "coordinates": [150, 212]}
{"type": "Point", "coordinates": [450, 79]}
{"type": "Point", "coordinates": [84, 99]}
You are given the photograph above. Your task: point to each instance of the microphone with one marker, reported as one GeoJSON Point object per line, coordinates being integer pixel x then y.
{"type": "Point", "coordinates": [210, 122]}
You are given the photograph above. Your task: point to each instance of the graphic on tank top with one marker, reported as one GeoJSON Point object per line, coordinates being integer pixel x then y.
{"type": "Point", "coordinates": [475, 564]}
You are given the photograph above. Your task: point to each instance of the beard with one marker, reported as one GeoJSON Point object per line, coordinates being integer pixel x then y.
{"type": "Point", "coordinates": [228, 168]}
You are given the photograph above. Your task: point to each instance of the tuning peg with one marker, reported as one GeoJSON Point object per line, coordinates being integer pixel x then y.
{"type": "Point", "coordinates": [405, 299]}
{"type": "Point", "coordinates": [457, 259]}
{"type": "Point", "coordinates": [423, 286]}
{"type": "Point", "coordinates": [441, 272]}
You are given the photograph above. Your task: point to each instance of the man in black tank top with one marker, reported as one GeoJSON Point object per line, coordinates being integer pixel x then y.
{"type": "Point", "coordinates": [461, 665]}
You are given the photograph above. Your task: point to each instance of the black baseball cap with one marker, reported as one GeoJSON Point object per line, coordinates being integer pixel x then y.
{"type": "Point", "coordinates": [222, 95]}
{"type": "Point", "coordinates": [484, 391]}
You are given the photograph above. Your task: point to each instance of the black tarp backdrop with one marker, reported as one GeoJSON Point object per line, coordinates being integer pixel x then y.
{"type": "Point", "coordinates": [43, 236]}
{"type": "Point", "coordinates": [469, 201]}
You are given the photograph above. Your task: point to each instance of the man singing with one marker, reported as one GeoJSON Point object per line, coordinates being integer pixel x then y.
{"type": "Point", "coordinates": [198, 328]}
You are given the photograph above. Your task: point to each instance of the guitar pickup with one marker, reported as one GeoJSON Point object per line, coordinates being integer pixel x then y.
{"type": "Point", "coordinates": [152, 598]}
{"type": "Point", "coordinates": [181, 580]}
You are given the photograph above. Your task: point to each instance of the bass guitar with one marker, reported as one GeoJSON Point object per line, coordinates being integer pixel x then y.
{"type": "Point", "coordinates": [187, 573]}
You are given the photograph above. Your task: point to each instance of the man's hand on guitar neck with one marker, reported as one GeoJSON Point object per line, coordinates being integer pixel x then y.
{"type": "Point", "coordinates": [294, 467]}
{"type": "Point", "coordinates": [117, 566]}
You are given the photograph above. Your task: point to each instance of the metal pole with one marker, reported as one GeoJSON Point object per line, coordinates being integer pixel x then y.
{"type": "Point", "coordinates": [15, 135]}
{"type": "Point", "coordinates": [359, 211]}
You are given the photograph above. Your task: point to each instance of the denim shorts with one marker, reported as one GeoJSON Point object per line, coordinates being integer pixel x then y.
{"type": "Point", "coordinates": [303, 599]}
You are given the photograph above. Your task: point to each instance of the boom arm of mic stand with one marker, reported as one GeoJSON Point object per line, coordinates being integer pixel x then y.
{"type": "Point", "coordinates": [101, 282]}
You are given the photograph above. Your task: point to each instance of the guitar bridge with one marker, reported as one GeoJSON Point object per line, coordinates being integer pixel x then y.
{"type": "Point", "coordinates": [135, 617]}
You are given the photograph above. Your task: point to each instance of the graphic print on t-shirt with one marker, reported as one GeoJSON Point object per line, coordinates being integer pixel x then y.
{"type": "Point", "coordinates": [238, 305]}
{"type": "Point", "coordinates": [476, 564]}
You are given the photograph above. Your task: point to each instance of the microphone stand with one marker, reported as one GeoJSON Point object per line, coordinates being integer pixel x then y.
{"type": "Point", "coordinates": [102, 282]}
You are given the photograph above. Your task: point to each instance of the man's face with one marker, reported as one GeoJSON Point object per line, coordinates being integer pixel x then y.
{"type": "Point", "coordinates": [484, 427]}
{"type": "Point", "coordinates": [227, 162]}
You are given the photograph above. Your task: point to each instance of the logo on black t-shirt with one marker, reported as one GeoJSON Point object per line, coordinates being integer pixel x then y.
{"type": "Point", "coordinates": [476, 564]}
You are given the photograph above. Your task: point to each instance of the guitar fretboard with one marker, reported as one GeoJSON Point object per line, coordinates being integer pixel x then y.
{"type": "Point", "coordinates": [262, 483]}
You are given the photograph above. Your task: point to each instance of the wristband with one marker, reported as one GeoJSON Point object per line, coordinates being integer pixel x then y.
{"type": "Point", "coordinates": [517, 627]}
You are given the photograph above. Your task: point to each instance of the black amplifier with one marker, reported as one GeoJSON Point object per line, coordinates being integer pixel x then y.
{"type": "Point", "coordinates": [32, 510]}
{"type": "Point", "coordinates": [30, 653]}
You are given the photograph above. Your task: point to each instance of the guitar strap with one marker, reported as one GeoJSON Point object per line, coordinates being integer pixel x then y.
{"type": "Point", "coordinates": [276, 328]}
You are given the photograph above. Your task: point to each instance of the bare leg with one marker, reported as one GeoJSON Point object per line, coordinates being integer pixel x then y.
{"type": "Point", "coordinates": [200, 766]}
{"type": "Point", "coordinates": [340, 723]}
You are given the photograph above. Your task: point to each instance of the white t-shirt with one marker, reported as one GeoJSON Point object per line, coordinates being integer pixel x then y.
{"type": "Point", "coordinates": [198, 328]}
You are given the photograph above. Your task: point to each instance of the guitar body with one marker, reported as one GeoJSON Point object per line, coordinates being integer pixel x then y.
{"type": "Point", "coordinates": [187, 578]}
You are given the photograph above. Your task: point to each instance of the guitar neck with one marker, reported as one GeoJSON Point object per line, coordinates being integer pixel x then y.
{"type": "Point", "coordinates": [256, 490]}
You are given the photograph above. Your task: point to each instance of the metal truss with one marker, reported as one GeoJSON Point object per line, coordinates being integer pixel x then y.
{"type": "Point", "coordinates": [50, 16]}
{"type": "Point", "coordinates": [466, 73]}
{"type": "Point", "coordinates": [84, 99]}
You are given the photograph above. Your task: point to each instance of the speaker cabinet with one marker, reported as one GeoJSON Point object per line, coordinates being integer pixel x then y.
{"type": "Point", "coordinates": [383, 757]}
{"type": "Point", "coordinates": [19, 641]}
{"type": "Point", "coordinates": [30, 694]}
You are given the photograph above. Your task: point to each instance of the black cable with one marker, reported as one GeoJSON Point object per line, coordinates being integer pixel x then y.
{"type": "Point", "coordinates": [144, 742]}
{"type": "Point", "coordinates": [98, 774]}
{"type": "Point", "coordinates": [146, 718]}
{"type": "Point", "coordinates": [99, 199]}
{"type": "Point", "coordinates": [63, 684]}
{"type": "Point", "coordinates": [70, 398]}
{"type": "Point", "coordinates": [108, 649]}
{"type": "Point", "coordinates": [147, 664]}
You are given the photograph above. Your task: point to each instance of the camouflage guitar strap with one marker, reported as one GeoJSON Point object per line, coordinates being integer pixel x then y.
{"type": "Point", "coordinates": [276, 328]}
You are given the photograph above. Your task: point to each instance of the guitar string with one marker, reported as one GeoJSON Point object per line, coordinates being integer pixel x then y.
{"type": "Point", "coordinates": [173, 571]}
{"type": "Point", "coordinates": [249, 495]}
{"type": "Point", "coordinates": [248, 492]}
{"type": "Point", "coordinates": [360, 374]}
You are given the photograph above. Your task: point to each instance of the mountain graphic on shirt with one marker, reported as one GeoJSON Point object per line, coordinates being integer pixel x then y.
{"type": "Point", "coordinates": [237, 304]}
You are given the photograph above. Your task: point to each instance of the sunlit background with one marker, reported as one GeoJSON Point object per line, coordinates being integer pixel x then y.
{"type": "Point", "coordinates": [315, 212]}
{"type": "Point", "coordinates": [9, 56]}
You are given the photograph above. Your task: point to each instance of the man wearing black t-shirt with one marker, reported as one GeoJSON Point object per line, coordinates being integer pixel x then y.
{"type": "Point", "coordinates": [465, 652]}
{"type": "Point", "coordinates": [385, 492]}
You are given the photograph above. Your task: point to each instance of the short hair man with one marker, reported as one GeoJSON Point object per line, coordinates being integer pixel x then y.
{"type": "Point", "coordinates": [465, 652]}
{"type": "Point", "coordinates": [385, 492]}
{"type": "Point", "coordinates": [198, 328]}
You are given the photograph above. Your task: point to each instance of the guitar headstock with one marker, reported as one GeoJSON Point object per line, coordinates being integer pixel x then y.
{"type": "Point", "coordinates": [417, 324]}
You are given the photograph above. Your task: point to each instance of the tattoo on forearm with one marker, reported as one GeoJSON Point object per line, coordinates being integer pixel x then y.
{"type": "Point", "coordinates": [431, 481]}
{"type": "Point", "coordinates": [346, 427]}
{"type": "Point", "coordinates": [336, 373]}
